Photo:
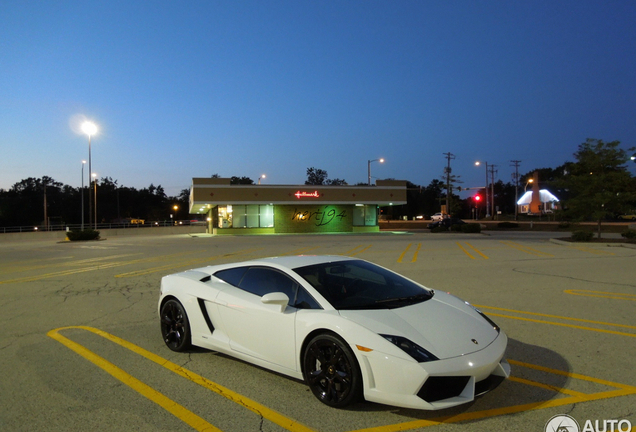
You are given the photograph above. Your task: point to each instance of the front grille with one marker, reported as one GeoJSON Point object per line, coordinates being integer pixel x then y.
{"type": "Point", "coordinates": [440, 388]}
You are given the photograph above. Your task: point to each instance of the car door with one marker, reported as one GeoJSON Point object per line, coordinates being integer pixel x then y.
{"type": "Point", "coordinates": [257, 329]}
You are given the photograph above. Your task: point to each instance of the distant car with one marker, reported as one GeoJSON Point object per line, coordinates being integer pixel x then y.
{"type": "Point", "coordinates": [631, 217]}
{"type": "Point", "coordinates": [350, 328]}
{"type": "Point", "coordinates": [437, 217]}
{"type": "Point", "coordinates": [447, 222]}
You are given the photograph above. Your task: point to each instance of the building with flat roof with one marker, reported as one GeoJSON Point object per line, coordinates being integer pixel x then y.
{"type": "Point", "coordinates": [275, 209]}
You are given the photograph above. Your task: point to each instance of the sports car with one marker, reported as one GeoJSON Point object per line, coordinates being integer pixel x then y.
{"type": "Point", "coordinates": [349, 328]}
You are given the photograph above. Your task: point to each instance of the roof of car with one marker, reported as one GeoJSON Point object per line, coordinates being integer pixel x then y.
{"type": "Point", "coordinates": [300, 260]}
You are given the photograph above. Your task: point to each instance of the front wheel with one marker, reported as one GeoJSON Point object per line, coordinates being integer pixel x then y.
{"type": "Point", "coordinates": [331, 371]}
{"type": "Point", "coordinates": [175, 327]}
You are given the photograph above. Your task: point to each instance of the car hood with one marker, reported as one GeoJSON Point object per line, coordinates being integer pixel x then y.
{"type": "Point", "coordinates": [444, 325]}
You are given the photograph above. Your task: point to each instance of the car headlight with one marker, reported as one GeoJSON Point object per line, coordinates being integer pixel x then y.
{"type": "Point", "coordinates": [411, 348]}
{"type": "Point", "coordinates": [483, 315]}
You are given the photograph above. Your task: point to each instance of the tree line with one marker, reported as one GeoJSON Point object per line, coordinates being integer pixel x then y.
{"type": "Point", "coordinates": [596, 186]}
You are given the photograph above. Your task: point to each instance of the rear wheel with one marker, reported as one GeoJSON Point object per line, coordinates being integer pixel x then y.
{"type": "Point", "coordinates": [331, 371]}
{"type": "Point", "coordinates": [175, 327]}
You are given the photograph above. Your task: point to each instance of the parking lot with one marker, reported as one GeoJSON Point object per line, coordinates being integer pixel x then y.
{"type": "Point", "coordinates": [81, 347]}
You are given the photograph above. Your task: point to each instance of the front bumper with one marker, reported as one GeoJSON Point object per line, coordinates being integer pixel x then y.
{"type": "Point", "coordinates": [434, 385]}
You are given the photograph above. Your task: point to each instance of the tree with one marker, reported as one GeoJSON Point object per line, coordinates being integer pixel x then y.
{"type": "Point", "coordinates": [598, 182]}
{"type": "Point", "coordinates": [241, 180]}
{"type": "Point", "coordinates": [335, 182]}
{"type": "Point", "coordinates": [316, 176]}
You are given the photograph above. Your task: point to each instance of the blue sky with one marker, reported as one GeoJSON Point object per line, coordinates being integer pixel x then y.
{"type": "Point", "coordinates": [183, 89]}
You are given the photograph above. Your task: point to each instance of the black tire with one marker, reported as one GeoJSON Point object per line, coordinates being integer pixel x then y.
{"type": "Point", "coordinates": [331, 371]}
{"type": "Point", "coordinates": [175, 327]}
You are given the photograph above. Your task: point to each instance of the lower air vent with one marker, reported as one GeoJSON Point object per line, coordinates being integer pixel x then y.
{"type": "Point", "coordinates": [488, 384]}
{"type": "Point", "coordinates": [440, 388]}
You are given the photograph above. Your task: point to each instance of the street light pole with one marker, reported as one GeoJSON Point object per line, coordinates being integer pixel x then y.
{"type": "Point", "coordinates": [90, 129]}
{"type": "Point", "coordinates": [83, 163]}
{"type": "Point", "coordinates": [261, 177]}
{"type": "Point", "coordinates": [95, 198]}
{"type": "Point", "coordinates": [486, 188]}
{"type": "Point", "coordinates": [381, 160]}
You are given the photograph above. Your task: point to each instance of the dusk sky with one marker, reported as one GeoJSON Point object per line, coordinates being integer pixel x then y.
{"type": "Point", "coordinates": [183, 89]}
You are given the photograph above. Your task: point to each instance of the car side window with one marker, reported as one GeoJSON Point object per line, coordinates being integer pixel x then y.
{"type": "Point", "coordinates": [261, 281]}
{"type": "Point", "coordinates": [232, 276]}
{"type": "Point", "coordinates": [304, 300]}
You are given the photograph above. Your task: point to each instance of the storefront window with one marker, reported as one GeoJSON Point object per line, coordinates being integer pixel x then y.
{"type": "Point", "coordinates": [267, 216]}
{"type": "Point", "coordinates": [365, 215]}
{"type": "Point", "coordinates": [249, 216]}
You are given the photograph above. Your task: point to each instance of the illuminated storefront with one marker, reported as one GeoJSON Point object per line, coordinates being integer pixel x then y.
{"type": "Point", "coordinates": [272, 209]}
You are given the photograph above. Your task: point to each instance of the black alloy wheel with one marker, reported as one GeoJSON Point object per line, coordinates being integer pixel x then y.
{"type": "Point", "coordinates": [175, 327]}
{"type": "Point", "coordinates": [331, 371]}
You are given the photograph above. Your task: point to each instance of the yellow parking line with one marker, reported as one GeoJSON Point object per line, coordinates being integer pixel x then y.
{"type": "Point", "coordinates": [417, 250]}
{"type": "Point", "coordinates": [99, 266]}
{"type": "Point", "coordinates": [404, 253]}
{"type": "Point", "coordinates": [261, 410]}
{"type": "Point", "coordinates": [525, 249]}
{"type": "Point", "coordinates": [181, 264]}
{"type": "Point", "coordinates": [465, 251]}
{"type": "Point", "coordinates": [547, 386]}
{"type": "Point", "coordinates": [610, 295]}
{"type": "Point", "coordinates": [476, 250]}
{"type": "Point", "coordinates": [564, 325]}
{"type": "Point", "coordinates": [576, 397]}
{"type": "Point", "coordinates": [590, 250]}
{"type": "Point", "coordinates": [352, 253]}
{"type": "Point", "coordinates": [556, 316]}
{"type": "Point", "coordinates": [300, 251]}
{"type": "Point", "coordinates": [166, 403]}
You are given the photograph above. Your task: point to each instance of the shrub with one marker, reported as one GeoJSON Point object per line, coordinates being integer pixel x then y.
{"type": "Point", "coordinates": [439, 229]}
{"type": "Point", "coordinates": [507, 225]}
{"type": "Point", "coordinates": [629, 234]}
{"type": "Point", "coordinates": [87, 234]}
{"type": "Point", "coordinates": [471, 228]}
{"type": "Point", "coordinates": [456, 227]}
{"type": "Point", "coordinates": [582, 236]}
{"type": "Point", "coordinates": [564, 225]}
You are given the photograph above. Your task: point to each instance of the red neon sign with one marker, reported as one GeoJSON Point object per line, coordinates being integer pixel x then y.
{"type": "Point", "coordinates": [303, 194]}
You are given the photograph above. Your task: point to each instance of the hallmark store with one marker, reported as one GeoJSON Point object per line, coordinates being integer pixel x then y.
{"type": "Point", "coordinates": [284, 209]}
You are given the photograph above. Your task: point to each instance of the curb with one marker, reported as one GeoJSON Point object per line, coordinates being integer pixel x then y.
{"type": "Point", "coordinates": [566, 243]}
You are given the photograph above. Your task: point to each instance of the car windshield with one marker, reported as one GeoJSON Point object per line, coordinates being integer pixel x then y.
{"type": "Point", "coordinates": [359, 284]}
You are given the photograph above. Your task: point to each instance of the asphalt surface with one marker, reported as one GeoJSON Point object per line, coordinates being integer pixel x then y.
{"type": "Point", "coordinates": [80, 347]}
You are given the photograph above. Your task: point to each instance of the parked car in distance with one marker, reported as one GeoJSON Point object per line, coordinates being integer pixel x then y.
{"type": "Point", "coordinates": [437, 217]}
{"type": "Point", "coordinates": [631, 217]}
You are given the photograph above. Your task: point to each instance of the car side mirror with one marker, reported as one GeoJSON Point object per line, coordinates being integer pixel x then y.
{"type": "Point", "coordinates": [276, 298]}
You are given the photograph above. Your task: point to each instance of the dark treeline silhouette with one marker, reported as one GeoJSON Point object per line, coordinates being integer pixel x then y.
{"type": "Point", "coordinates": [24, 203]}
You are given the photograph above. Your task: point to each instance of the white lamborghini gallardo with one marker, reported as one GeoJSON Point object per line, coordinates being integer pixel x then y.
{"type": "Point", "coordinates": [349, 328]}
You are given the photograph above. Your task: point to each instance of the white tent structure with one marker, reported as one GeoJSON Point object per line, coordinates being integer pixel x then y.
{"type": "Point", "coordinates": [547, 201]}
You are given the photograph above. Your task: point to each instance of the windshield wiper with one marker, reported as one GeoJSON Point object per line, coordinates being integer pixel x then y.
{"type": "Point", "coordinates": [416, 297]}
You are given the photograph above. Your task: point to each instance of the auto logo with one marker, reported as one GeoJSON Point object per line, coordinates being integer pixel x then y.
{"type": "Point", "coordinates": [475, 341]}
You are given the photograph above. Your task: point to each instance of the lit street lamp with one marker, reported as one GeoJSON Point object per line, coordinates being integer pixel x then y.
{"type": "Point", "coordinates": [261, 177]}
{"type": "Point", "coordinates": [381, 160]}
{"type": "Point", "coordinates": [90, 129]}
{"type": "Point", "coordinates": [525, 189]}
{"type": "Point", "coordinates": [82, 190]}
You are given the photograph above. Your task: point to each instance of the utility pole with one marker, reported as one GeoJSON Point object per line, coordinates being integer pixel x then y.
{"type": "Point", "coordinates": [515, 178]}
{"type": "Point", "coordinates": [493, 171]}
{"type": "Point", "coordinates": [447, 173]}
